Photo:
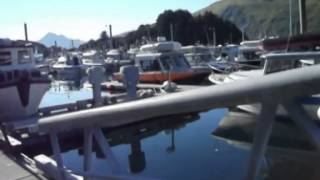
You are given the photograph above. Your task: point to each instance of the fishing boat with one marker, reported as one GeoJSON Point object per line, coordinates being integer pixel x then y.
{"type": "Point", "coordinates": [92, 58]}
{"type": "Point", "coordinates": [164, 61]}
{"type": "Point", "coordinates": [68, 67]}
{"type": "Point", "coordinates": [22, 86]}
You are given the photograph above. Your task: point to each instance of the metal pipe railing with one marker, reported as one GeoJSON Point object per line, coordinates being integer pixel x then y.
{"type": "Point", "coordinates": [281, 86]}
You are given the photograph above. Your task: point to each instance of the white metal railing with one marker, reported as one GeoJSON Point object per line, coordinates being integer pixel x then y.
{"type": "Point", "coordinates": [285, 88]}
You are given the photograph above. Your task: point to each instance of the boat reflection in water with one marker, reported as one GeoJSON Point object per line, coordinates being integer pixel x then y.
{"type": "Point", "coordinates": [131, 135]}
{"type": "Point", "coordinates": [72, 84]}
{"type": "Point", "coordinates": [289, 155]}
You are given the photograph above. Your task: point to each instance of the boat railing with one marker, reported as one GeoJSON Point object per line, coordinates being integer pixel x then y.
{"type": "Point", "coordinates": [285, 88]}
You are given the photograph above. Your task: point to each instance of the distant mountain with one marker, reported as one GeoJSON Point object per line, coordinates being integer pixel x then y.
{"type": "Point", "coordinates": [265, 17]}
{"type": "Point", "coordinates": [62, 41]}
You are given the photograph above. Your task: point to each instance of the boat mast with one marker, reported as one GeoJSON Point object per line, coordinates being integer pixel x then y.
{"type": "Point", "coordinates": [290, 17]}
{"type": "Point", "coordinates": [303, 16]}
{"type": "Point", "coordinates": [26, 32]}
{"type": "Point", "coordinates": [171, 31]}
{"type": "Point", "coordinates": [110, 31]}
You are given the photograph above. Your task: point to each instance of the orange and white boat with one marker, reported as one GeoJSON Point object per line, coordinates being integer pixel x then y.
{"type": "Point", "coordinates": [163, 61]}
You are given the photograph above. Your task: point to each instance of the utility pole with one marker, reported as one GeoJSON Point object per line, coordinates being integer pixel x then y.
{"type": "Point", "coordinates": [26, 32]}
{"type": "Point", "coordinates": [303, 16]}
{"type": "Point", "coordinates": [171, 31]}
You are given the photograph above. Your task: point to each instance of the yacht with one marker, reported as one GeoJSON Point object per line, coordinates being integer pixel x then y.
{"type": "Point", "coordinates": [68, 67]}
{"type": "Point", "coordinates": [92, 58]}
{"type": "Point", "coordinates": [22, 86]}
{"type": "Point", "coordinates": [164, 61]}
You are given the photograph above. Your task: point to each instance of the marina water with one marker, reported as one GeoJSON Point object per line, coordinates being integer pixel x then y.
{"type": "Point", "coordinates": [177, 147]}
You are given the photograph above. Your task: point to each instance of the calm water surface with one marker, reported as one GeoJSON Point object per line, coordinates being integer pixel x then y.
{"type": "Point", "coordinates": [183, 147]}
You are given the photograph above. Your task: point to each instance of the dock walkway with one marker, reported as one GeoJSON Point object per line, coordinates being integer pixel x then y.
{"type": "Point", "coordinates": [11, 169]}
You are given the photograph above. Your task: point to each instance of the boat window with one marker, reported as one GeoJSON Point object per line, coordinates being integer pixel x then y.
{"type": "Point", "coordinates": [191, 59]}
{"type": "Point", "coordinates": [24, 57]}
{"type": "Point", "coordinates": [277, 66]}
{"type": "Point", "coordinates": [251, 55]}
{"type": "Point", "coordinates": [150, 65]}
{"type": "Point", "coordinates": [165, 60]}
{"type": "Point", "coordinates": [181, 61]}
{"type": "Point", "coordinates": [176, 62]}
{"type": "Point", "coordinates": [5, 58]}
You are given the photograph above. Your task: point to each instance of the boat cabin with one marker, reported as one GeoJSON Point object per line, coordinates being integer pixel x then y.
{"type": "Point", "coordinates": [249, 55]}
{"type": "Point", "coordinates": [16, 57]}
{"type": "Point", "coordinates": [114, 54]}
{"type": "Point", "coordinates": [92, 58]}
{"type": "Point", "coordinates": [163, 56]}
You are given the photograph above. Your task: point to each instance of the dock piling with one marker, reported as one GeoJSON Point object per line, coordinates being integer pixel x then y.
{"type": "Point", "coordinates": [96, 75]}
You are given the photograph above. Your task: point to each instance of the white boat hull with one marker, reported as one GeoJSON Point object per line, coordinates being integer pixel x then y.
{"type": "Point", "coordinates": [11, 106]}
{"type": "Point", "coordinates": [312, 110]}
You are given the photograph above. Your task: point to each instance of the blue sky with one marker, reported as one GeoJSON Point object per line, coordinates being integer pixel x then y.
{"type": "Point", "coordinates": [83, 19]}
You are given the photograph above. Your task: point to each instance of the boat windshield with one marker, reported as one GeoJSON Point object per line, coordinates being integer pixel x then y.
{"type": "Point", "coordinates": [273, 66]}
{"type": "Point", "coordinates": [198, 59]}
{"type": "Point", "coordinates": [149, 65]}
{"type": "Point", "coordinates": [250, 55]}
{"type": "Point", "coordinates": [5, 58]}
{"type": "Point", "coordinates": [174, 62]}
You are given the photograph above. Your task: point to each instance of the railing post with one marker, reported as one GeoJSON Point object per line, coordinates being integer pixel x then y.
{"type": "Point", "coordinates": [88, 139]}
{"type": "Point", "coordinates": [261, 136]}
{"type": "Point", "coordinates": [110, 157]}
{"type": "Point", "coordinates": [303, 120]}
{"type": "Point", "coordinates": [57, 154]}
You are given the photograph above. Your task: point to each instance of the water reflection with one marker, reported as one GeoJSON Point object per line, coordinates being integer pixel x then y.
{"type": "Point", "coordinates": [240, 126]}
{"type": "Point", "coordinates": [133, 135]}
{"type": "Point", "coordinates": [64, 91]}
{"type": "Point", "coordinates": [289, 155]}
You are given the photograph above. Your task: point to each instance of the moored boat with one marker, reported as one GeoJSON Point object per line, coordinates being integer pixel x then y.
{"type": "Point", "coordinates": [163, 61]}
{"type": "Point", "coordinates": [22, 86]}
{"type": "Point", "coordinates": [68, 67]}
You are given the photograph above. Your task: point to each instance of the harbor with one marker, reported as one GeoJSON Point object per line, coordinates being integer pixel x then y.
{"type": "Point", "coordinates": [192, 96]}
